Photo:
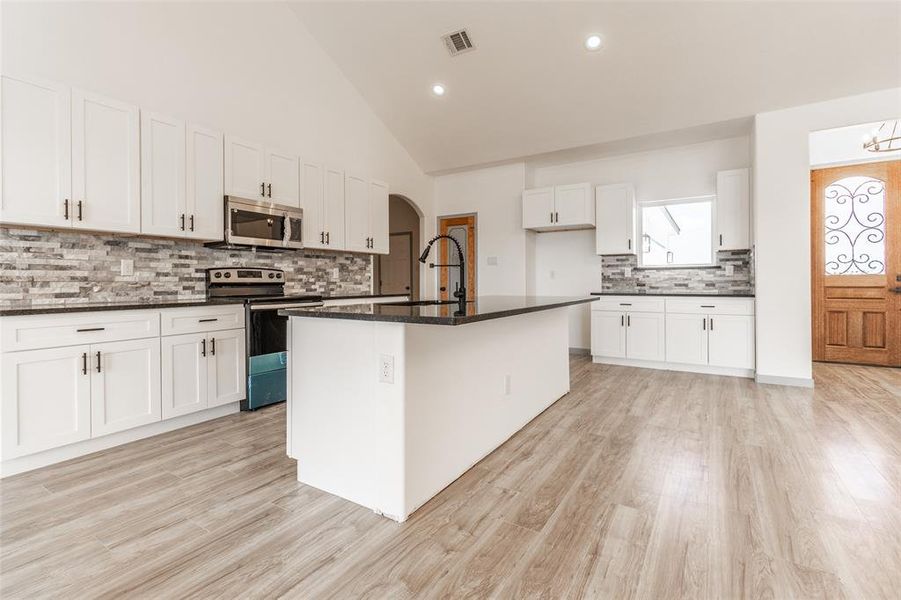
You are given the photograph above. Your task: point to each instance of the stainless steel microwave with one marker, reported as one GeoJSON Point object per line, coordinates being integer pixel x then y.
{"type": "Point", "coordinates": [253, 223]}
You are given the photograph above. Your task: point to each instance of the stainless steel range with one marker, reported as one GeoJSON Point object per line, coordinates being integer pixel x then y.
{"type": "Point", "coordinates": [263, 293]}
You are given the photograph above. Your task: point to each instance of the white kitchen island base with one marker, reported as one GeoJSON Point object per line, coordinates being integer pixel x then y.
{"type": "Point", "coordinates": [458, 392]}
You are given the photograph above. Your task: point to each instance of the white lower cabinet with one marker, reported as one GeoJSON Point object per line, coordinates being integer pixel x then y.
{"type": "Point", "coordinates": [202, 370]}
{"type": "Point", "coordinates": [731, 340]}
{"type": "Point", "coordinates": [125, 385]}
{"type": "Point", "coordinates": [701, 334]}
{"type": "Point", "coordinates": [46, 399]}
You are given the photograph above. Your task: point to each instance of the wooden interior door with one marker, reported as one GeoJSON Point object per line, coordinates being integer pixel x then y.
{"type": "Point", "coordinates": [463, 229]}
{"type": "Point", "coordinates": [856, 263]}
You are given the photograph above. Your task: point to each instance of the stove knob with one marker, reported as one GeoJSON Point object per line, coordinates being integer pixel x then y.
{"type": "Point", "coordinates": [217, 275]}
{"type": "Point", "coordinates": [227, 274]}
{"type": "Point", "coordinates": [271, 275]}
{"type": "Point", "coordinates": [278, 275]}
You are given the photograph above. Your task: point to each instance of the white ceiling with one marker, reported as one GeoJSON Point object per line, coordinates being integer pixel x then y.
{"type": "Point", "coordinates": [530, 88]}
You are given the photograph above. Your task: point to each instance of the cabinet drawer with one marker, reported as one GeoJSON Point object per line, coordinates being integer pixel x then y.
{"type": "Point", "coordinates": [629, 304]}
{"type": "Point", "coordinates": [54, 331]}
{"type": "Point", "coordinates": [710, 306]}
{"type": "Point", "coordinates": [198, 319]}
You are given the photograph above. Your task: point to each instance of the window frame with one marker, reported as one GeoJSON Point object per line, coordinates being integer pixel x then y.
{"type": "Point", "coordinates": [642, 204]}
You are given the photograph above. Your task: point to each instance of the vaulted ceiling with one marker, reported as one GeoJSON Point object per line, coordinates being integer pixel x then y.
{"type": "Point", "coordinates": [531, 88]}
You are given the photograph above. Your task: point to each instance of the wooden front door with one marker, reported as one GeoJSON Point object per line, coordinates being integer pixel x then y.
{"type": "Point", "coordinates": [462, 229]}
{"type": "Point", "coordinates": [856, 263]}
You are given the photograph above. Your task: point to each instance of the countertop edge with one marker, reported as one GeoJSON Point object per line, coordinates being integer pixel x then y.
{"type": "Point", "coordinates": [674, 294]}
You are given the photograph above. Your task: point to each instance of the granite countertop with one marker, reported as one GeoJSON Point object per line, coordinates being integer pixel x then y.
{"type": "Point", "coordinates": [482, 309]}
{"type": "Point", "coordinates": [47, 309]}
{"type": "Point", "coordinates": [688, 293]}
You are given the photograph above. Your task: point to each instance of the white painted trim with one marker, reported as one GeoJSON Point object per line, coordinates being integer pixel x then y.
{"type": "Point", "coordinates": [56, 455]}
{"type": "Point", "coordinates": [666, 366]}
{"type": "Point", "coordinates": [779, 380]}
{"type": "Point", "coordinates": [579, 351]}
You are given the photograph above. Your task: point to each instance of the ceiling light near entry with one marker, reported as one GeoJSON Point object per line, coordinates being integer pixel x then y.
{"type": "Point", "coordinates": [438, 89]}
{"type": "Point", "coordinates": [593, 42]}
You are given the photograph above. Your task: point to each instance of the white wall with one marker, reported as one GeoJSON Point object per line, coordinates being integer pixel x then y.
{"type": "Point", "coordinates": [565, 262]}
{"type": "Point", "coordinates": [495, 194]}
{"type": "Point", "coordinates": [248, 69]}
{"type": "Point", "coordinates": [781, 209]}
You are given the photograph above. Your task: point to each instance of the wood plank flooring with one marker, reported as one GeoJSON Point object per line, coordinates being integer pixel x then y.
{"type": "Point", "coordinates": [638, 484]}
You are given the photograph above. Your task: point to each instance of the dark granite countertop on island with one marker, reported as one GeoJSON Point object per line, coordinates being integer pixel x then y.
{"type": "Point", "coordinates": [687, 293]}
{"type": "Point", "coordinates": [482, 309]}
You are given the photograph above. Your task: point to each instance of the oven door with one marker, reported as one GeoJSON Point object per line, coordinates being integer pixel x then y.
{"type": "Point", "coordinates": [267, 345]}
{"type": "Point", "coordinates": [260, 224]}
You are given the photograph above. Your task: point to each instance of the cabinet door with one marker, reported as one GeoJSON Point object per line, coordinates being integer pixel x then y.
{"type": "Point", "coordinates": [162, 175]}
{"type": "Point", "coordinates": [731, 341]}
{"type": "Point", "coordinates": [378, 226]}
{"type": "Point", "coordinates": [356, 213]}
{"type": "Point", "coordinates": [313, 204]}
{"type": "Point", "coordinates": [227, 367]}
{"type": "Point", "coordinates": [733, 209]}
{"type": "Point", "coordinates": [35, 159]}
{"type": "Point", "coordinates": [244, 169]}
{"type": "Point", "coordinates": [538, 208]}
{"type": "Point", "coordinates": [46, 399]}
{"type": "Point", "coordinates": [205, 205]}
{"type": "Point", "coordinates": [335, 210]}
{"type": "Point", "coordinates": [608, 334]}
{"type": "Point", "coordinates": [184, 373]}
{"type": "Point", "coordinates": [615, 219]}
{"type": "Point", "coordinates": [573, 205]}
{"type": "Point", "coordinates": [645, 336]}
{"type": "Point", "coordinates": [686, 338]}
{"type": "Point", "coordinates": [125, 385]}
{"type": "Point", "coordinates": [282, 178]}
{"type": "Point", "coordinates": [106, 164]}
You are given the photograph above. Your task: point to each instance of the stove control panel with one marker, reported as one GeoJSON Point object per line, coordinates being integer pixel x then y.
{"type": "Point", "coordinates": [242, 275]}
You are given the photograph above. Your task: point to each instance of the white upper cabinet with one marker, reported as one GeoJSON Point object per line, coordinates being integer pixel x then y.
{"type": "Point", "coordinates": [282, 178]}
{"type": "Point", "coordinates": [574, 206]}
{"type": "Point", "coordinates": [356, 215]}
{"type": "Point", "coordinates": [538, 208]}
{"type": "Point", "coordinates": [255, 172]}
{"type": "Point", "coordinates": [245, 170]}
{"type": "Point", "coordinates": [313, 203]}
{"type": "Point", "coordinates": [162, 175]}
{"type": "Point", "coordinates": [335, 210]}
{"type": "Point", "coordinates": [558, 208]}
{"type": "Point", "coordinates": [106, 166]}
{"type": "Point", "coordinates": [204, 181]}
{"type": "Point", "coordinates": [35, 159]}
{"type": "Point", "coordinates": [378, 217]}
{"type": "Point", "coordinates": [733, 209]}
{"type": "Point", "coordinates": [615, 218]}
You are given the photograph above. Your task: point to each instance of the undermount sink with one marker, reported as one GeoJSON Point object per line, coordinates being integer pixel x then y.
{"type": "Point", "coordinates": [420, 303]}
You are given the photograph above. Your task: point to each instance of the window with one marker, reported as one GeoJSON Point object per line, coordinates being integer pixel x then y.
{"type": "Point", "coordinates": [677, 233]}
{"type": "Point", "coordinates": [855, 226]}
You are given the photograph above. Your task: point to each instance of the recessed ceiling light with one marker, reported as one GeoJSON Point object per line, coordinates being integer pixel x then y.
{"type": "Point", "coordinates": [593, 42]}
{"type": "Point", "coordinates": [438, 89]}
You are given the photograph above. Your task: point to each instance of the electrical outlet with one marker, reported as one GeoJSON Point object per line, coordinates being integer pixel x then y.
{"type": "Point", "coordinates": [729, 270]}
{"type": "Point", "coordinates": [386, 368]}
{"type": "Point", "coordinates": [492, 261]}
{"type": "Point", "coordinates": [627, 271]}
{"type": "Point", "coordinates": [507, 385]}
{"type": "Point", "coordinates": [127, 267]}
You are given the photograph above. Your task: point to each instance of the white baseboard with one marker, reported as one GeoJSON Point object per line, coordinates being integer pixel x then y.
{"type": "Point", "coordinates": [580, 351]}
{"type": "Point", "coordinates": [666, 366]}
{"type": "Point", "coordinates": [22, 464]}
{"type": "Point", "coordinates": [806, 382]}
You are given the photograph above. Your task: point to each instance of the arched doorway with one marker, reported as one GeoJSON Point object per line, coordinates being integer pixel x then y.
{"type": "Point", "coordinates": [398, 271]}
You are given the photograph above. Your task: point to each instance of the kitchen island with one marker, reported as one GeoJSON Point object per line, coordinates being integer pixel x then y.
{"type": "Point", "coordinates": [390, 403]}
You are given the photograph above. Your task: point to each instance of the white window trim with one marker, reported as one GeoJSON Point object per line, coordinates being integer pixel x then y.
{"type": "Point", "coordinates": [687, 200]}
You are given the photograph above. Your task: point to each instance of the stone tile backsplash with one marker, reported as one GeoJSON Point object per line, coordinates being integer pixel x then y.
{"type": "Point", "coordinates": [60, 267]}
{"type": "Point", "coordinates": [710, 280]}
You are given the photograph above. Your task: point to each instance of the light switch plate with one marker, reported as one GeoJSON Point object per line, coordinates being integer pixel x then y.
{"type": "Point", "coordinates": [729, 270]}
{"type": "Point", "coordinates": [127, 267]}
{"type": "Point", "coordinates": [492, 261]}
{"type": "Point", "coordinates": [627, 271]}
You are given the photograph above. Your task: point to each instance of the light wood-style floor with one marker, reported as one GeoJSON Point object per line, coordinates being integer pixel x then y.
{"type": "Point", "coordinates": [638, 484]}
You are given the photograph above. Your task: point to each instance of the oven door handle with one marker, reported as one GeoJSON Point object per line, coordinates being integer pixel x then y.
{"type": "Point", "coordinates": [258, 307]}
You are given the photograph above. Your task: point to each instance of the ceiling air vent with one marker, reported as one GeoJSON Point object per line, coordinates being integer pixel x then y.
{"type": "Point", "coordinates": [458, 42]}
